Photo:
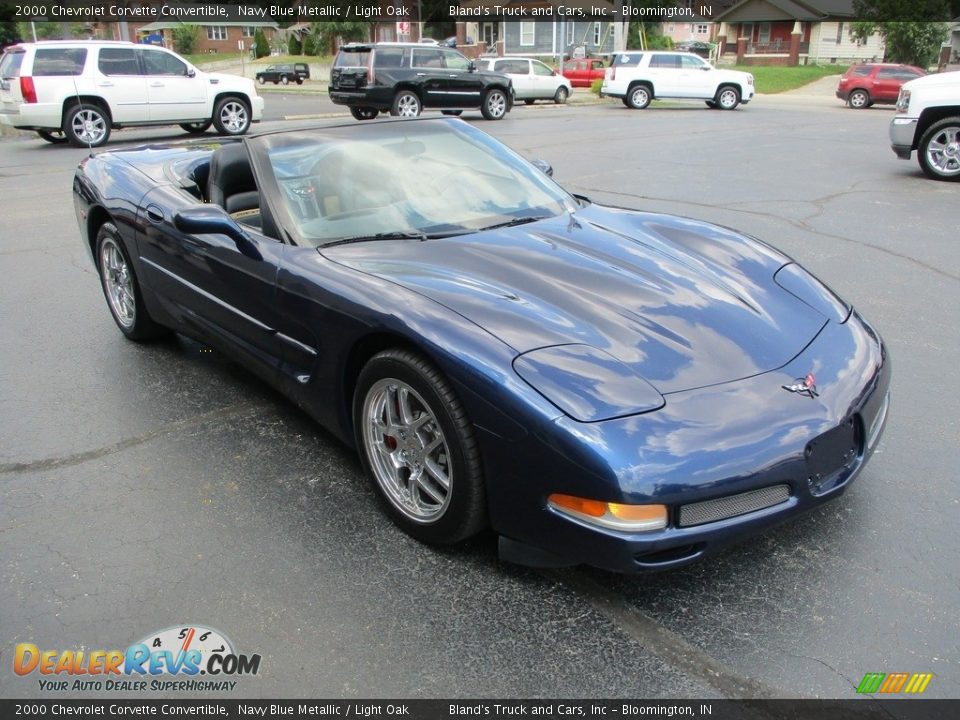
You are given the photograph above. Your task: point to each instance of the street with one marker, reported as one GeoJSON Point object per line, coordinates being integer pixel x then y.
{"type": "Point", "coordinates": [144, 486]}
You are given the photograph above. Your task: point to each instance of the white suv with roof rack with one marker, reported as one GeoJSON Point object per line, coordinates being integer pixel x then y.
{"type": "Point", "coordinates": [639, 76]}
{"type": "Point", "coordinates": [78, 91]}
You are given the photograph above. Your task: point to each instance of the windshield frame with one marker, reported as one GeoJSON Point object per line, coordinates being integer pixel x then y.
{"type": "Point", "coordinates": [260, 148]}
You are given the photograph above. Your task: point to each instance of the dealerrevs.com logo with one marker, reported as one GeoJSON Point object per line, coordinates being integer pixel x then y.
{"type": "Point", "coordinates": [185, 657]}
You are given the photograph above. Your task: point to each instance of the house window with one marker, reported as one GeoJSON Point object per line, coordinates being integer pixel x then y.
{"type": "Point", "coordinates": [216, 32]}
{"type": "Point", "coordinates": [839, 33]}
{"type": "Point", "coordinates": [249, 31]}
{"type": "Point", "coordinates": [596, 34]}
{"type": "Point", "coordinates": [701, 29]}
{"type": "Point", "coordinates": [764, 32]}
{"type": "Point", "coordinates": [571, 33]}
{"type": "Point", "coordinates": [527, 30]}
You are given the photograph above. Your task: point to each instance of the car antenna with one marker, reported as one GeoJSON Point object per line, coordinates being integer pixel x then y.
{"type": "Point", "coordinates": [76, 92]}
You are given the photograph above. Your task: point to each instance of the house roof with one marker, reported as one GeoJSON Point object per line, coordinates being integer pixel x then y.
{"type": "Point", "coordinates": [169, 25]}
{"type": "Point", "coordinates": [767, 10]}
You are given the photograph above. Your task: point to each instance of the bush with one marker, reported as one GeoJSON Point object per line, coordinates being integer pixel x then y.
{"type": "Point", "coordinates": [260, 44]}
{"type": "Point", "coordinates": [185, 38]}
{"type": "Point", "coordinates": [293, 45]}
{"type": "Point", "coordinates": [595, 86]}
{"type": "Point", "coordinates": [310, 45]}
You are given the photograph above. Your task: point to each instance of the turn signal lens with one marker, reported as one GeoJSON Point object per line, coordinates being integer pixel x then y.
{"type": "Point", "coordinates": [615, 516]}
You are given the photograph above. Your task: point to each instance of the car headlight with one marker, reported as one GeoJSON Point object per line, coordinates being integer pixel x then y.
{"type": "Point", "coordinates": [586, 383]}
{"type": "Point", "coordinates": [811, 291]}
{"type": "Point", "coordinates": [903, 100]}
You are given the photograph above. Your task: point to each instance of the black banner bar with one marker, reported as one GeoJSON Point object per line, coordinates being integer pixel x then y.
{"type": "Point", "coordinates": [858, 709]}
{"type": "Point", "coordinates": [290, 11]}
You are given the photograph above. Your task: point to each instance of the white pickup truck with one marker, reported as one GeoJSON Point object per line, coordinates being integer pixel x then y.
{"type": "Point", "coordinates": [928, 121]}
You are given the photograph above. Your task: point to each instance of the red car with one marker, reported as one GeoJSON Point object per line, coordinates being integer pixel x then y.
{"type": "Point", "coordinates": [583, 71]}
{"type": "Point", "coordinates": [863, 85]}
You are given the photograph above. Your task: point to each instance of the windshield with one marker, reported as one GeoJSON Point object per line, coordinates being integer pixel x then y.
{"type": "Point", "coordinates": [411, 178]}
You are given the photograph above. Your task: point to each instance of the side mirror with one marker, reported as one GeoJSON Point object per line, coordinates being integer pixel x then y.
{"type": "Point", "coordinates": [472, 67]}
{"type": "Point", "coordinates": [213, 220]}
{"type": "Point", "coordinates": [191, 72]}
{"type": "Point", "coordinates": [706, 67]}
{"type": "Point", "coordinates": [543, 166]}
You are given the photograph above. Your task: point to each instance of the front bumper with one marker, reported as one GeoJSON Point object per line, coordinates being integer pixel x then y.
{"type": "Point", "coordinates": [903, 130]}
{"type": "Point", "coordinates": [704, 445]}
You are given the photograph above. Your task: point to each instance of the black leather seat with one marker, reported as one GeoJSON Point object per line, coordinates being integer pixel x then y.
{"type": "Point", "coordinates": [231, 185]}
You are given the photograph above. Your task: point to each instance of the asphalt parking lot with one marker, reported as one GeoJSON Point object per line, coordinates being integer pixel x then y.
{"type": "Point", "coordinates": [146, 486]}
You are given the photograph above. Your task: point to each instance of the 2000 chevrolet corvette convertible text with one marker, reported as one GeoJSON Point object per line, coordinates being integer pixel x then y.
{"type": "Point", "coordinates": [597, 385]}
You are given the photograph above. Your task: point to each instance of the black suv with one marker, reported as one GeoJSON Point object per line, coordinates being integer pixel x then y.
{"type": "Point", "coordinates": [404, 78]}
{"type": "Point", "coordinates": [297, 72]}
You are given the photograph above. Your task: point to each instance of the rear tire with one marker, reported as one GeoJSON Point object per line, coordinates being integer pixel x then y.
{"type": "Point", "coordinates": [86, 125]}
{"type": "Point", "coordinates": [494, 105]}
{"type": "Point", "coordinates": [262, 80]}
{"type": "Point", "coordinates": [858, 100]}
{"type": "Point", "coordinates": [407, 104]}
{"type": "Point", "coordinates": [638, 97]}
{"type": "Point", "coordinates": [285, 80]}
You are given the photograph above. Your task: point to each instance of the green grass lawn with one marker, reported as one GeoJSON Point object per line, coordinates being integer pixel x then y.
{"type": "Point", "coordinates": [201, 58]}
{"type": "Point", "coordinates": [771, 79]}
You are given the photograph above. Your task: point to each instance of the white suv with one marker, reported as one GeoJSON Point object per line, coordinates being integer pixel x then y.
{"type": "Point", "coordinates": [637, 77]}
{"type": "Point", "coordinates": [79, 91]}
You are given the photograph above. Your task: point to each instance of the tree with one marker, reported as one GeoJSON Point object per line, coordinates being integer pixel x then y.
{"type": "Point", "coordinates": [345, 31]}
{"type": "Point", "coordinates": [185, 38]}
{"type": "Point", "coordinates": [912, 30]}
{"type": "Point", "coordinates": [260, 44]}
{"type": "Point", "coordinates": [293, 45]}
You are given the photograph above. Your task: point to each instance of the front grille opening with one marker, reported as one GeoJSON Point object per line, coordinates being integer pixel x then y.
{"type": "Point", "coordinates": [708, 511]}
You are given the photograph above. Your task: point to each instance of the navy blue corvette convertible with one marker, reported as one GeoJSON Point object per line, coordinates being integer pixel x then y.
{"type": "Point", "coordinates": [596, 385]}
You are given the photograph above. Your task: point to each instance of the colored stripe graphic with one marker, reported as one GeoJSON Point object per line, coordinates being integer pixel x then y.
{"type": "Point", "coordinates": [870, 683]}
{"type": "Point", "coordinates": [918, 683]}
{"type": "Point", "coordinates": [892, 683]}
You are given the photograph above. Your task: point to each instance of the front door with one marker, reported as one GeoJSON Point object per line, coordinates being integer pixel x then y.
{"type": "Point", "coordinates": [462, 86]}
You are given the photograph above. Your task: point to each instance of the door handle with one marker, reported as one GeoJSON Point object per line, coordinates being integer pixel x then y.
{"type": "Point", "coordinates": [154, 214]}
{"type": "Point", "coordinates": [156, 84]}
{"type": "Point", "coordinates": [421, 74]}
{"type": "Point", "coordinates": [105, 84]}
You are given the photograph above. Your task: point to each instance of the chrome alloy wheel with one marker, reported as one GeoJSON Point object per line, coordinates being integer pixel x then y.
{"type": "Point", "coordinates": [728, 99]}
{"type": "Point", "coordinates": [497, 104]}
{"type": "Point", "coordinates": [89, 126]}
{"type": "Point", "coordinates": [407, 450]}
{"type": "Point", "coordinates": [118, 282]}
{"type": "Point", "coordinates": [408, 106]}
{"type": "Point", "coordinates": [943, 151]}
{"type": "Point", "coordinates": [233, 117]}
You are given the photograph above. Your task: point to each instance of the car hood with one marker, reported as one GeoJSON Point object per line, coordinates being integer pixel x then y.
{"type": "Point", "coordinates": [684, 304]}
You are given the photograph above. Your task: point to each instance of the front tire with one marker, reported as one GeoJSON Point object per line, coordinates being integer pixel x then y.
{"type": "Point", "coordinates": [938, 151]}
{"type": "Point", "coordinates": [728, 97]}
{"type": "Point", "coordinates": [418, 448]}
{"type": "Point", "coordinates": [121, 288]}
{"type": "Point", "coordinates": [231, 116]}
{"type": "Point", "coordinates": [560, 98]}
{"type": "Point", "coordinates": [406, 104]}
{"type": "Point", "coordinates": [638, 97]}
{"type": "Point", "coordinates": [86, 125]}
{"type": "Point", "coordinates": [494, 105]}
{"type": "Point", "coordinates": [196, 128]}
{"type": "Point", "coordinates": [859, 99]}
{"type": "Point", "coordinates": [364, 113]}
{"type": "Point", "coordinates": [285, 80]}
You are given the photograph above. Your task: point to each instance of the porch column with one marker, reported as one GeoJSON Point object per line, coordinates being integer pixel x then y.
{"type": "Point", "coordinates": [795, 38]}
{"type": "Point", "coordinates": [722, 39]}
{"type": "Point", "coordinates": [741, 49]}
{"type": "Point", "coordinates": [461, 34]}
